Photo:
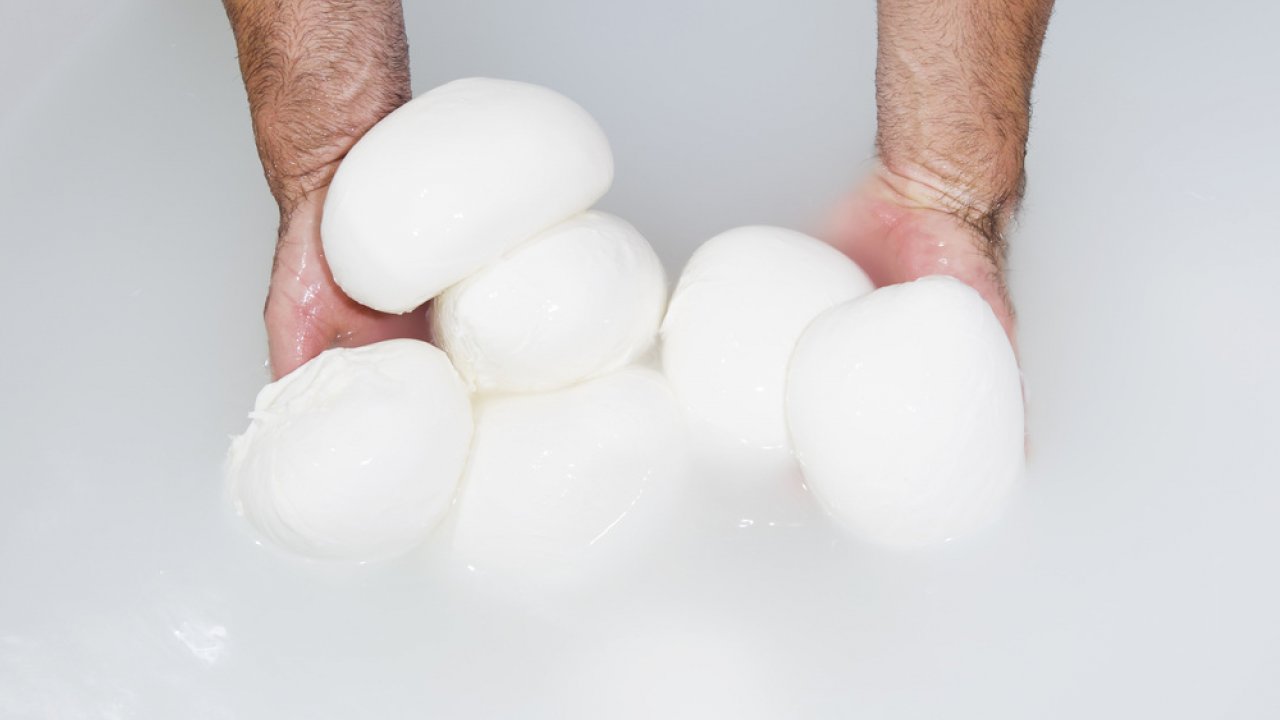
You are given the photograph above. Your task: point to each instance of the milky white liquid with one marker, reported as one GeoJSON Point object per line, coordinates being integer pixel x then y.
{"type": "Point", "coordinates": [1131, 579]}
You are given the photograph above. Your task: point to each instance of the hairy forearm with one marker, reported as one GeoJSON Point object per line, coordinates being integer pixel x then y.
{"type": "Point", "coordinates": [953, 92]}
{"type": "Point", "coordinates": [319, 73]}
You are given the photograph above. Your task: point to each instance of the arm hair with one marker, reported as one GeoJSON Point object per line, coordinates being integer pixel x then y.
{"type": "Point", "coordinates": [953, 101]}
{"type": "Point", "coordinates": [319, 73]}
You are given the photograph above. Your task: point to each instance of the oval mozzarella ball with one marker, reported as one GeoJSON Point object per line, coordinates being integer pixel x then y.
{"type": "Point", "coordinates": [580, 299]}
{"type": "Point", "coordinates": [905, 409]}
{"type": "Point", "coordinates": [356, 454]}
{"type": "Point", "coordinates": [564, 483]}
{"type": "Point", "coordinates": [741, 303]}
{"type": "Point", "coordinates": [451, 180]}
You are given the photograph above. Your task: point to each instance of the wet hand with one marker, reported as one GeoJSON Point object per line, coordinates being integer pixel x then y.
{"type": "Point", "coordinates": [901, 228]}
{"type": "Point", "coordinates": [306, 311]}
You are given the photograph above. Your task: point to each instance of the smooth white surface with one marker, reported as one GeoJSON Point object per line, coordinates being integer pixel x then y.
{"type": "Point", "coordinates": [564, 486]}
{"type": "Point", "coordinates": [578, 300]}
{"type": "Point", "coordinates": [905, 411]}
{"type": "Point", "coordinates": [356, 454]}
{"type": "Point", "coordinates": [451, 180]}
{"type": "Point", "coordinates": [1133, 578]}
{"type": "Point", "coordinates": [735, 316]}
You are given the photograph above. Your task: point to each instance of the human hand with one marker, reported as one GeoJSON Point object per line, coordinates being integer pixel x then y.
{"type": "Point", "coordinates": [901, 228]}
{"type": "Point", "coordinates": [318, 75]}
{"type": "Point", "coordinates": [306, 311]}
{"type": "Point", "coordinates": [953, 109]}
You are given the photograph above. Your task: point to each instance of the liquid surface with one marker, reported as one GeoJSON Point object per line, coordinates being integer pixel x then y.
{"type": "Point", "coordinates": [1132, 578]}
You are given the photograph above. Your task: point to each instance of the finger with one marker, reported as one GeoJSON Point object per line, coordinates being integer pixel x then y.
{"type": "Point", "coordinates": [295, 334]}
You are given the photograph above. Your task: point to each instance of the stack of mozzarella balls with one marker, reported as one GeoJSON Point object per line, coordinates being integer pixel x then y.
{"type": "Point", "coordinates": [536, 435]}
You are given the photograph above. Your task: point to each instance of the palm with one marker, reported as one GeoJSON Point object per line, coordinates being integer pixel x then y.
{"type": "Point", "coordinates": [898, 241]}
{"type": "Point", "coordinates": [307, 312]}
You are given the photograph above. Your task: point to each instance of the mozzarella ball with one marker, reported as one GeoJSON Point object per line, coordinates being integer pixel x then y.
{"type": "Point", "coordinates": [741, 303]}
{"type": "Point", "coordinates": [905, 409]}
{"type": "Point", "coordinates": [562, 484]}
{"type": "Point", "coordinates": [580, 299]}
{"type": "Point", "coordinates": [448, 182]}
{"type": "Point", "coordinates": [356, 454]}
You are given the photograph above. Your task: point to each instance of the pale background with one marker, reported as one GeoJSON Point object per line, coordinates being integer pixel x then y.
{"type": "Point", "coordinates": [1136, 577]}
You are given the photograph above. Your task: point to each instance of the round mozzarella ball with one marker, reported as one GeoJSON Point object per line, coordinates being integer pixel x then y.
{"type": "Point", "coordinates": [448, 182]}
{"type": "Point", "coordinates": [356, 454]}
{"type": "Point", "coordinates": [560, 484]}
{"type": "Point", "coordinates": [905, 409]}
{"type": "Point", "coordinates": [580, 299]}
{"type": "Point", "coordinates": [741, 303]}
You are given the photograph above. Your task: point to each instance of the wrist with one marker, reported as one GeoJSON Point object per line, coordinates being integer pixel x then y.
{"type": "Point", "coordinates": [984, 207]}
{"type": "Point", "coordinates": [300, 219]}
